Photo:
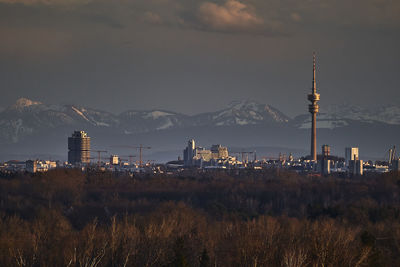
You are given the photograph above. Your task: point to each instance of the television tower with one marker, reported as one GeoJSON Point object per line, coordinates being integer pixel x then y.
{"type": "Point", "coordinates": [313, 108]}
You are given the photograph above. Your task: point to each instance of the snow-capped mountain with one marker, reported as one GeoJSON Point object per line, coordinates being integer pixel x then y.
{"type": "Point", "coordinates": [386, 114]}
{"type": "Point", "coordinates": [135, 121]}
{"type": "Point", "coordinates": [27, 117]}
{"type": "Point", "coordinates": [31, 127]}
{"type": "Point", "coordinates": [324, 121]}
{"type": "Point", "coordinates": [242, 113]}
{"type": "Point", "coordinates": [342, 115]}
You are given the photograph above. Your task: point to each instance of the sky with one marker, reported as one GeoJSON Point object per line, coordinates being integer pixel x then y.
{"type": "Point", "coordinates": [194, 56]}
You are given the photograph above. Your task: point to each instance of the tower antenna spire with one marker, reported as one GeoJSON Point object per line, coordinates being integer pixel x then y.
{"type": "Point", "coordinates": [314, 85]}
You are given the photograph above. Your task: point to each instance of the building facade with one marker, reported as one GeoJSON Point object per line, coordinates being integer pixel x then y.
{"type": "Point", "coordinates": [351, 153]}
{"type": "Point", "coordinates": [356, 167]}
{"type": "Point", "coordinates": [79, 148]}
{"type": "Point", "coordinates": [189, 153]}
{"type": "Point", "coordinates": [114, 160]}
{"type": "Point", "coordinates": [198, 156]}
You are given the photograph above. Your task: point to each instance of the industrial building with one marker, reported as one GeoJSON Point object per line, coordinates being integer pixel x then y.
{"type": "Point", "coordinates": [79, 148]}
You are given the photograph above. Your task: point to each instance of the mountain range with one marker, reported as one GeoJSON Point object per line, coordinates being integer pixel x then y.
{"type": "Point", "coordinates": [33, 128]}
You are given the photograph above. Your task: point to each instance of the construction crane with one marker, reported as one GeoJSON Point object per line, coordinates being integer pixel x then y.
{"type": "Point", "coordinates": [243, 154]}
{"type": "Point", "coordinates": [140, 148]}
{"type": "Point", "coordinates": [99, 156]}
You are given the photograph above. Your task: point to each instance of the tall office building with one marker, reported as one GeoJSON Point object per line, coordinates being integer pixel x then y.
{"type": "Point", "coordinates": [326, 151]}
{"type": "Point", "coordinates": [79, 148]}
{"type": "Point", "coordinates": [325, 163]}
{"type": "Point", "coordinates": [313, 108]}
{"type": "Point", "coordinates": [355, 167]}
{"type": "Point", "coordinates": [351, 153]}
{"type": "Point", "coordinates": [189, 153]}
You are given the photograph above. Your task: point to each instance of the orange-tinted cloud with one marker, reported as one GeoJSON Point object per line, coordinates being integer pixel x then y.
{"type": "Point", "coordinates": [152, 18]}
{"type": "Point", "coordinates": [231, 16]}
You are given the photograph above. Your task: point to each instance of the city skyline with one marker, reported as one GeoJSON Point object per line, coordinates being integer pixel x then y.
{"type": "Point", "coordinates": [177, 133]}
{"type": "Point", "coordinates": [153, 70]}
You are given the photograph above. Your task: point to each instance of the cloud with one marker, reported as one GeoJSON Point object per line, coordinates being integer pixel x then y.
{"type": "Point", "coordinates": [152, 18]}
{"type": "Point", "coordinates": [295, 17]}
{"type": "Point", "coordinates": [232, 16]}
{"type": "Point", "coordinates": [256, 17]}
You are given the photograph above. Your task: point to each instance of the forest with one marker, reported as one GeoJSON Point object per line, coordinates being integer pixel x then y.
{"type": "Point", "coordinates": [273, 217]}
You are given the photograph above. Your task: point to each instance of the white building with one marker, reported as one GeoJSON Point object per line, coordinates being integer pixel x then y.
{"type": "Point", "coordinates": [198, 156]}
{"type": "Point", "coordinates": [114, 160]}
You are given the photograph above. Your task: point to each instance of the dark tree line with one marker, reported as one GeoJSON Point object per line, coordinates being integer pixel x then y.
{"type": "Point", "coordinates": [249, 218]}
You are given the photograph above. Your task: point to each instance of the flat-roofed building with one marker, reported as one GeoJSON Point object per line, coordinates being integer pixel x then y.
{"type": "Point", "coordinates": [79, 148]}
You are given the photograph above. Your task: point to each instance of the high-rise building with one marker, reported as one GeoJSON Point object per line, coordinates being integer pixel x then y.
{"type": "Point", "coordinates": [79, 148]}
{"type": "Point", "coordinates": [325, 163]}
{"type": "Point", "coordinates": [355, 167]}
{"type": "Point", "coordinates": [326, 151]}
{"type": "Point", "coordinates": [189, 153]}
{"type": "Point", "coordinates": [351, 153]}
{"type": "Point", "coordinates": [313, 108]}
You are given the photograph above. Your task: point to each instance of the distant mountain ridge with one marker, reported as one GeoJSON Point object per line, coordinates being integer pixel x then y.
{"type": "Point", "coordinates": [30, 128]}
{"type": "Point", "coordinates": [334, 116]}
{"type": "Point", "coordinates": [27, 117]}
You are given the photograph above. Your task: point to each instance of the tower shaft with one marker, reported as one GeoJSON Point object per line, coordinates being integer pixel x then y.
{"type": "Point", "coordinates": [314, 137]}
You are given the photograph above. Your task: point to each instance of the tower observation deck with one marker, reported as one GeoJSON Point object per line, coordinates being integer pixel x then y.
{"type": "Point", "coordinates": [313, 108]}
